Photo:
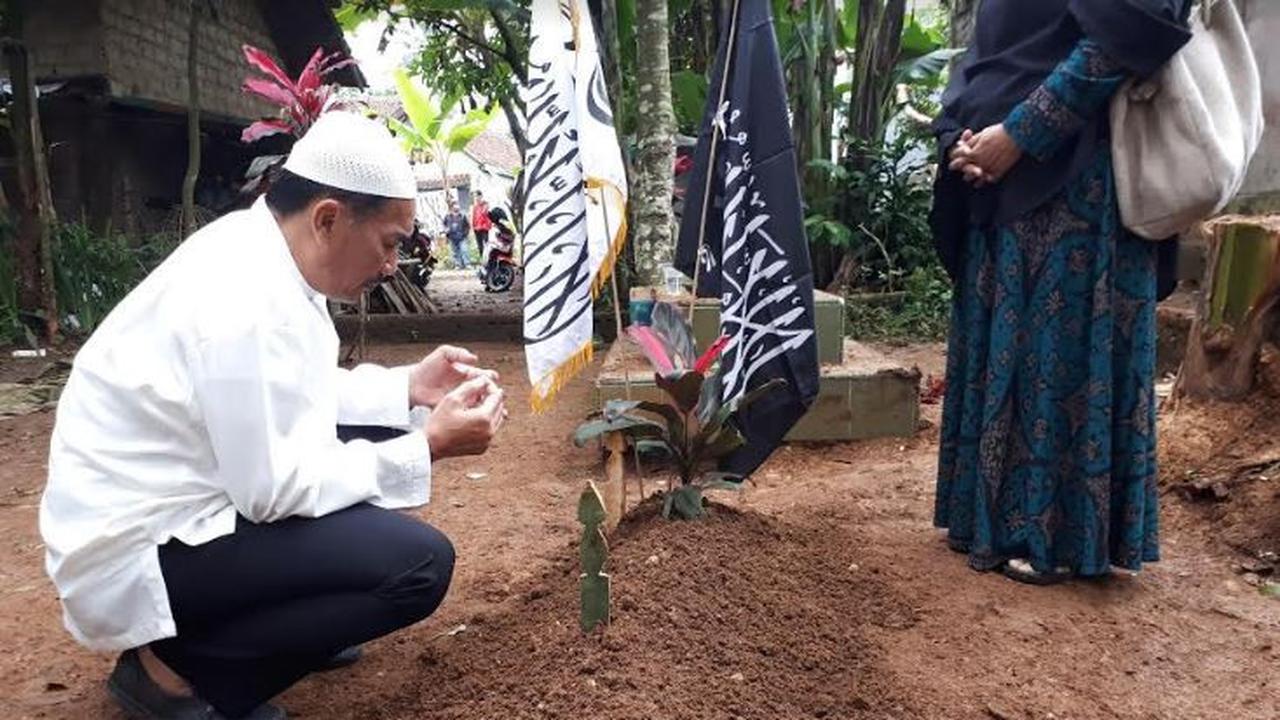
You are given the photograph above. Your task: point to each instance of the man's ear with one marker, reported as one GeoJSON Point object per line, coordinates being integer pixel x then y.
{"type": "Point", "coordinates": [324, 219]}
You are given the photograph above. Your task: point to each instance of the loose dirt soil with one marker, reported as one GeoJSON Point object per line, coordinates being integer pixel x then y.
{"type": "Point", "coordinates": [822, 591]}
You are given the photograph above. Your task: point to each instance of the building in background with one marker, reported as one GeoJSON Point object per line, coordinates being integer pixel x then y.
{"type": "Point", "coordinates": [113, 82]}
{"type": "Point", "coordinates": [488, 164]}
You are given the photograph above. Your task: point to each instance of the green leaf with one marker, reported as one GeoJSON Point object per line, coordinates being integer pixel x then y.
{"type": "Point", "coordinates": [726, 440]}
{"type": "Point", "coordinates": [717, 476]}
{"type": "Point", "coordinates": [689, 98]}
{"type": "Point", "coordinates": [712, 392]}
{"type": "Point", "coordinates": [925, 68]}
{"type": "Point", "coordinates": [616, 408]}
{"type": "Point", "coordinates": [675, 421]}
{"type": "Point", "coordinates": [409, 137]}
{"type": "Point", "coordinates": [849, 24]}
{"type": "Point", "coordinates": [453, 5]}
{"type": "Point", "coordinates": [685, 390]}
{"type": "Point", "coordinates": [630, 425]}
{"type": "Point", "coordinates": [1271, 590]}
{"type": "Point", "coordinates": [418, 105]}
{"type": "Point", "coordinates": [917, 40]}
{"type": "Point", "coordinates": [671, 325]}
{"type": "Point", "coordinates": [651, 447]}
{"type": "Point", "coordinates": [835, 170]}
{"type": "Point", "coordinates": [734, 485]}
{"type": "Point", "coordinates": [460, 136]}
{"type": "Point", "coordinates": [350, 16]}
{"type": "Point", "coordinates": [686, 502]}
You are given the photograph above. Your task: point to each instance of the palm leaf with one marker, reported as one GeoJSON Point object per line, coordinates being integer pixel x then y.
{"type": "Point", "coordinates": [418, 105]}
{"type": "Point", "coordinates": [460, 136]}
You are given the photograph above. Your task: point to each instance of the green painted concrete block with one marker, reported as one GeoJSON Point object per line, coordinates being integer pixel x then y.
{"type": "Point", "coordinates": [865, 395]}
{"type": "Point", "coordinates": [828, 311]}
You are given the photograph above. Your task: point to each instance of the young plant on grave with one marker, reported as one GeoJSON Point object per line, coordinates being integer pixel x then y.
{"type": "Point", "coordinates": [691, 425]}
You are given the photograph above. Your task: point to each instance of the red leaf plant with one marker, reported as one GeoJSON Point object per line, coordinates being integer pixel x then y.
{"type": "Point", "coordinates": [301, 101]}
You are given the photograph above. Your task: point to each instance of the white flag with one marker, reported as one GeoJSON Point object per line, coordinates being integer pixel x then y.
{"type": "Point", "coordinates": [576, 197]}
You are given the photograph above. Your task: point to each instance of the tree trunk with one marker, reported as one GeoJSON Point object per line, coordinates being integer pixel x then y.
{"type": "Point", "coordinates": [611, 55]}
{"type": "Point", "coordinates": [33, 248]}
{"type": "Point", "coordinates": [963, 15]}
{"type": "Point", "coordinates": [515, 120]}
{"type": "Point", "coordinates": [655, 155]}
{"type": "Point", "coordinates": [193, 120]}
{"type": "Point", "coordinates": [879, 43]}
{"type": "Point", "coordinates": [1239, 310]}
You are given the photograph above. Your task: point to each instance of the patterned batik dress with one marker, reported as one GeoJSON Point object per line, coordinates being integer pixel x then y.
{"type": "Point", "coordinates": [1048, 447]}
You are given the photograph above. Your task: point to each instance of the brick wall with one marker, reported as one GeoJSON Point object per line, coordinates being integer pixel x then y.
{"type": "Point", "coordinates": [146, 50]}
{"type": "Point", "coordinates": [141, 46]}
{"type": "Point", "coordinates": [65, 37]}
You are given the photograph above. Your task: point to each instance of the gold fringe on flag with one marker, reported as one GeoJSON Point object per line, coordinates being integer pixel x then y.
{"type": "Point", "coordinates": [540, 401]}
{"type": "Point", "coordinates": [607, 192]}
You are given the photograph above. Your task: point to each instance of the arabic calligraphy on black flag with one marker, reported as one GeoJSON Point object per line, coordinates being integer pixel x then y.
{"type": "Point", "coordinates": [742, 235]}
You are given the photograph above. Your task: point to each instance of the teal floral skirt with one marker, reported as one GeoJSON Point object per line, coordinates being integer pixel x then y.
{"type": "Point", "coordinates": [1048, 445]}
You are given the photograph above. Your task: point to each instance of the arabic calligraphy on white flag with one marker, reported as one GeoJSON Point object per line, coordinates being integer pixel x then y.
{"type": "Point", "coordinates": [576, 197]}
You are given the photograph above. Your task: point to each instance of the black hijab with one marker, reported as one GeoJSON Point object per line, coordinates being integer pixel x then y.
{"type": "Point", "coordinates": [1017, 44]}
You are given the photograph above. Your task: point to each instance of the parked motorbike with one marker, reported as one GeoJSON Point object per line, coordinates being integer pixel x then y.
{"type": "Point", "coordinates": [416, 258]}
{"type": "Point", "coordinates": [498, 269]}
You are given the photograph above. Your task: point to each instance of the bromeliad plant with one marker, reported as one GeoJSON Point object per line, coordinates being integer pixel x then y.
{"type": "Point", "coordinates": [693, 426]}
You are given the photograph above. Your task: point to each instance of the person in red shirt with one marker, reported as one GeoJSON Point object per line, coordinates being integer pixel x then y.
{"type": "Point", "coordinates": [480, 222]}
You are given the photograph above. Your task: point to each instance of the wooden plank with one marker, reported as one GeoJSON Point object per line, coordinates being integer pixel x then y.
{"type": "Point", "coordinates": [393, 298]}
{"type": "Point", "coordinates": [405, 292]}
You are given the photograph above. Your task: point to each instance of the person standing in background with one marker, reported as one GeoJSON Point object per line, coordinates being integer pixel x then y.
{"type": "Point", "coordinates": [480, 222]}
{"type": "Point", "coordinates": [456, 228]}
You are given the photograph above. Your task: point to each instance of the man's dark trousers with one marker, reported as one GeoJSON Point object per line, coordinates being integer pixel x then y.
{"type": "Point", "coordinates": [261, 608]}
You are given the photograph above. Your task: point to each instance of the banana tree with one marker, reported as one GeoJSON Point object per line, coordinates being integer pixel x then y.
{"type": "Point", "coordinates": [429, 130]}
{"type": "Point", "coordinates": [692, 426]}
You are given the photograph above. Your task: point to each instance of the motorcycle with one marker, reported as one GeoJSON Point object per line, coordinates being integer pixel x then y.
{"type": "Point", "coordinates": [498, 270]}
{"type": "Point", "coordinates": [416, 258]}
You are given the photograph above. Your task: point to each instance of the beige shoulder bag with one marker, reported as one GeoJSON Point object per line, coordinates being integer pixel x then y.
{"type": "Point", "coordinates": [1182, 140]}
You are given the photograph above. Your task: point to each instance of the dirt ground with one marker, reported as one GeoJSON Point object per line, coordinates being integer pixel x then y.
{"type": "Point", "coordinates": [822, 591]}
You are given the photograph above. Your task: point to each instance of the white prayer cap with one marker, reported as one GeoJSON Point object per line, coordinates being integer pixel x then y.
{"type": "Point", "coordinates": [353, 153]}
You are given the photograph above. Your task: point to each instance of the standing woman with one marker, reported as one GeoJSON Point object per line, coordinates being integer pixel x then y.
{"type": "Point", "coordinates": [1048, 452]}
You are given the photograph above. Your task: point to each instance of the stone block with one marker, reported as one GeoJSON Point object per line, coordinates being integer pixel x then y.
{"type": "Point", "coordinates": [829, 316]}
{"type": "Point", "coordinates": [864, 395]}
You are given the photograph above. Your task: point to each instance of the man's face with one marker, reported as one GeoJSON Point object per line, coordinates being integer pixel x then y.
{"type": "Point", "coordinates": [359, 251]}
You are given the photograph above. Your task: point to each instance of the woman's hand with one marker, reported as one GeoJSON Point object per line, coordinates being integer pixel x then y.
{"type": "Point", "coordinates": [985, 158]}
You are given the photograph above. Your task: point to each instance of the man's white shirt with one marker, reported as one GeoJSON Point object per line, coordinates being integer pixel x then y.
{"type": "Point", "coordinates": [211, 391]}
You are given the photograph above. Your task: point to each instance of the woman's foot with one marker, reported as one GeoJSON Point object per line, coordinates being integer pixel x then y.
{"type": "Point", "coordinates": [1022, 571]}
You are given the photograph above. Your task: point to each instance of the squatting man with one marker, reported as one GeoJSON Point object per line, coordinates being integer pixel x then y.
{"type": "Point", "coordinates": [221, 503]}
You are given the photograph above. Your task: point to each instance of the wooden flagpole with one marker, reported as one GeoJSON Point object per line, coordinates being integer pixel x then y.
{"type": "Point", "coordinates": [626, 371]}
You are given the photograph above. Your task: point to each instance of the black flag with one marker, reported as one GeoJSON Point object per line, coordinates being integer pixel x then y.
{"type": "Point", "coordinates": [743, 209]}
